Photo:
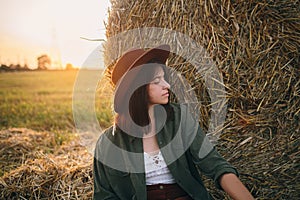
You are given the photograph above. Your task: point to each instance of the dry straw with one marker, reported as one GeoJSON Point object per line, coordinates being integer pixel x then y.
{"type": "Point", "coordinates": [38, 170]}
{"type": "Point", "coordinates": [255, 45]}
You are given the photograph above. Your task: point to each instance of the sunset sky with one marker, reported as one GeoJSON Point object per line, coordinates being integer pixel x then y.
{"type": "Point", "coordinates": [30, 28]}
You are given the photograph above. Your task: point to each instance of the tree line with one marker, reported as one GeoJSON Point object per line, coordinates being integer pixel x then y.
{"type": "Point", "coordinates": [43, 63]}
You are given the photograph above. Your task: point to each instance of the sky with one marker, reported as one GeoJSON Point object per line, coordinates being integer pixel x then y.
{"type": "Point", "coordinates": [30, 28]}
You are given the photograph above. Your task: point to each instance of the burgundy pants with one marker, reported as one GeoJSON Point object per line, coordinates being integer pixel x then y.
{"type": "Point", "coordinates": [166, 192]}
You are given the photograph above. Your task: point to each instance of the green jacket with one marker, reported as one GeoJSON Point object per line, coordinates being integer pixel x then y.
{"type": "Point", "coordinates": [119, 161]}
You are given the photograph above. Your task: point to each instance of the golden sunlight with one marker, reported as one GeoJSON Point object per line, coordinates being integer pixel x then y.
{"type": "Point", "coordinates": [32, 28]}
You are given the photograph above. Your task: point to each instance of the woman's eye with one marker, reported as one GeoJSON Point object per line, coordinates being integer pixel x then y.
{"type": "Point", "coordinates": [156, 81]}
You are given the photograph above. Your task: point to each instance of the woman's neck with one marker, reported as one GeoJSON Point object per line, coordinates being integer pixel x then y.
{"type": "Point", "coordinates": [152, 120]}
{"type": "Point", "coordinates": [150, 144]}
{"type": "Point", "coordinates": [151, 112]}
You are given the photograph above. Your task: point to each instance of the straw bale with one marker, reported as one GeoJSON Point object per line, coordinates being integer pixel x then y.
{"type": "Point", "coordinates": [255, 45]}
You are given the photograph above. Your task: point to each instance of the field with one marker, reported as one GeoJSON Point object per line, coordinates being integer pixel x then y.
{"type": "Point", "coordinates": [41, 100]}
{"type": "Point", "coordinates": [41, 156]}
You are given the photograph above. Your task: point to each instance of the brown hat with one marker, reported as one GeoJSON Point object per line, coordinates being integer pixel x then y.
{"type": "Point", "coordinates": [129, 60]}
{"type": "Point", "coordinates": [137, 57]}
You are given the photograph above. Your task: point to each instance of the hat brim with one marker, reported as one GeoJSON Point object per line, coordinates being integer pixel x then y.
{"type": "Point", "coordinates": [160, 53]}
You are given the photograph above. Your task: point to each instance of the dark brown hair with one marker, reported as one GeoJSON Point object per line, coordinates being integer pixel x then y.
{"type": "Point", "coordinates": [139, 101]}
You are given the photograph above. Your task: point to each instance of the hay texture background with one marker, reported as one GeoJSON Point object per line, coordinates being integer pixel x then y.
{"type": "Point", "coordinates": [255, 45]}
{"type": "Point", "coordinates": [37, 168]}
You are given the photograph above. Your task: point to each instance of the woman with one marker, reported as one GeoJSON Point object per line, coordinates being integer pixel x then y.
{"type": "Point", "coordinates": [156, 149]}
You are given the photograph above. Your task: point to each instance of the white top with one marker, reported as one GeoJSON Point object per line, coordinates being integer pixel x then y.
{"type": "Point", "coordinates": [156, 170]}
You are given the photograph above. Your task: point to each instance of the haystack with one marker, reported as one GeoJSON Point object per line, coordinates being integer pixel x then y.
{"type": "Point", "coordinates": [255, 46]}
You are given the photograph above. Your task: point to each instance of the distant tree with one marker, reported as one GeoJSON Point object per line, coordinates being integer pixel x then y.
{"type": "Point", "coordinates": [4, 68]}
{"type": "Point", "coordinates": [25, 67]}
{"type": "Point", "coordinates": [69, 66]}
{"type": "Point", "coordinates": [44, 62]}
{"type": "Point", "coordinates": [18, 67]}
{"type": "Point", "coordinates": [12, 67]}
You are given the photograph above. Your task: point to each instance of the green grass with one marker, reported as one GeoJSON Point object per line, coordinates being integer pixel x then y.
{"type": "Point", "coordinates": [42, 100]}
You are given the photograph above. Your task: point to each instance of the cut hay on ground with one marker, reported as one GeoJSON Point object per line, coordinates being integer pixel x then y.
{"type": "Point", "coordinates": [18, 145]}
{"type": "Point", "coordinates": [41, 171]}
{"type": "Point", "coordinates": [255, 45]}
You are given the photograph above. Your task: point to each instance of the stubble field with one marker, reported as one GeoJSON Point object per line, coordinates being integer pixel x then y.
{"type": "Point", "coordinates": [41, 156]}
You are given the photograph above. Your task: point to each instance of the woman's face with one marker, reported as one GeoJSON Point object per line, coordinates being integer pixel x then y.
{"type": "Point", "coordinates": [158, 88]}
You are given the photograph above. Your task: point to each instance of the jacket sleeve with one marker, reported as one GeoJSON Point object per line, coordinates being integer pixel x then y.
{"type": "Point", "coordinates": [102, 188]}
{"type": "Point", "coordinates": [208, 160]}
{"type": "Point", "coordinates": [204, 154]}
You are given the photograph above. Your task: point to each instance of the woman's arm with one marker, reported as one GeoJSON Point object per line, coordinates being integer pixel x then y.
{"type": "Point", "coordinates": [232, 185]}
{"type": "Point", "coordinates": [102, 189]}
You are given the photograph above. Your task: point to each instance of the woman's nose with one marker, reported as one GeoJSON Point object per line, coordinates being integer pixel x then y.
{"type": "Point", "coordinates": [165, 84]}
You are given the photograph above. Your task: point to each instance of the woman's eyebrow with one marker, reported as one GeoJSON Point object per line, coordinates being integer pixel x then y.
{"type": "Point", "coordinates": [159, 75]}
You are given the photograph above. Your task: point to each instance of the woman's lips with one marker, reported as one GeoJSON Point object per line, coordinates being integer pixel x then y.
{"type": "Point", "coordinates": [166, 94]}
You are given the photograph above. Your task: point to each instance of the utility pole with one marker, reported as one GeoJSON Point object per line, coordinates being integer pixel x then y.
{"type": "Point", "coordinates": [55, 51]}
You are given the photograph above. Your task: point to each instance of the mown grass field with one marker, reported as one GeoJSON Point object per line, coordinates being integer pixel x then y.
{"type": "Point", "coordinates": [41, 155]}
{"type": "Point", "coordinates": [42, 100]}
